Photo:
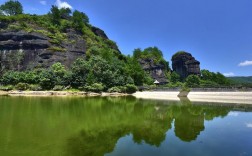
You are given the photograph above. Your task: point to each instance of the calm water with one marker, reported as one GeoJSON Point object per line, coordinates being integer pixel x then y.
{"type": "Point", "coordinates": [34, 126]}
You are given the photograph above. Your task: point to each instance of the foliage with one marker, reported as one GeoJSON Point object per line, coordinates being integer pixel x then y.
{"type": "Point", "coordinates": [214, 78]}
{"type": "Point", "coordinates": [55, 15]}
{"type": "Point", "coordinates": [185, 88]}
{"type": "Point", "coordinates": [11, 7]}
{"type": "Point", "coordinates": [130, 88]}
{"type": "Point", "coordinates": [22, 86]}
{"type": "Point", "coordinates": [135, 71]}
{"type": "Point", "coordinates": [35, 87]}
{"type": "Point", "coordinates": [57, 49]}
{"type": "Point", "coordinates": [46, 79]}
{"type": "Point", "coordinates": [79, 20]}
{"type": "Point", "coordinates": [115, 90]}
{"type": "Point", "coordinates": [192, 81]}
{"type": "Point", "coordinates": [96, 87]}
{"type": "Point", "coordinates": [58, 88]}
{"type": "Point", "coordinates": [177, 54]}
{"type": "Point", "coordinates": [175, 77]}
{"type": "Point", "coordinates": [151, 53]}
{"type": "Point", "coordinates": [7, 87]}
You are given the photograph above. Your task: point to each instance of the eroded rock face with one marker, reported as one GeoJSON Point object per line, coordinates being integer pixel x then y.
{"type": "Point", "coordinates": [20, 50]}
{"type": "Point", "coordinates": [185, 64]}
{"type": "Point", "coordinates": [157, 71]}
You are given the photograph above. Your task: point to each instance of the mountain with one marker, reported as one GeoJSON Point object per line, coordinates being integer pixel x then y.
{"type": "Point", "coordinates": [32, 41]}
{"type": "Point", "coordinates": [241, 79]}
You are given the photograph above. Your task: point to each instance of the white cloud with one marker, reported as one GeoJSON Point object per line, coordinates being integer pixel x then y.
{"type": "Point", "coordinates": [233, 114]}
{"type": "Point", "coordinates": [43, 2]}
{"type": "Point", "coordinates": [249, 125]}
{"type": "Point", "coordinates": [245, 63]}
{"type": "Point", "coordinates": [61, 4]}
{"type": "Point", "coordinates": [229, 74]}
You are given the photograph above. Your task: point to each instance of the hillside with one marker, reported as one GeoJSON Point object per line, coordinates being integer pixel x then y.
{"type": "Point", "coordinates": [241, 79]}
{"type": "Point", "coordinates": [32, 41]}
{"type": "Point", "coordinates": [62, 49]}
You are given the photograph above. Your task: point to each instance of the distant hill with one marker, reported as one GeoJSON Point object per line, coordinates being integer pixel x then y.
{"type": "Point", "coordinates": [241, 79]}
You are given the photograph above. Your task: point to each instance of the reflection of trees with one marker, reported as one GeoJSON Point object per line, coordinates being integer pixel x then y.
{"type": "Point", "coordinates": [118, 118]}
{"type": "Point", "coordinates": [188, 125]}
{"type": "Point", "coordinates": [148, 121]}
{"type": "Point", "coordinates": [94, 143]}
{"type": "Point", "coordinates": [92, 126]}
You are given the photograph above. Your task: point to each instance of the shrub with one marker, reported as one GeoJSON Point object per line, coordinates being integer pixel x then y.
{"type": "Point", "coordinates": [115, 90]}
{"type": "Point", "coordinates": [130, 88]}
{"type": "Point", "coordinates": [96, 87]}
{"type": "Point", "coordinates": [7, 88]}
{"type": "Point", "coordinates": [58, 88]}
{"type": "Point", "coordinates": [22, 86]}
{"type": "Point", "coordinates": [35, 87]}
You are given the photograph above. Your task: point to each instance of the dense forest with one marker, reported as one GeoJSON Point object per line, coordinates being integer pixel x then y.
{"type": "Point", "coordinates": [102, 68]}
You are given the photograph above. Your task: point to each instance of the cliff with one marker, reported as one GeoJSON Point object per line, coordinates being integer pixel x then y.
{"type": "Point", "coordinates": [32, 45]}
{"type": "Point", "coordinates": [185, 64]}
{"type": "Point", "coordinates": [156, 70]}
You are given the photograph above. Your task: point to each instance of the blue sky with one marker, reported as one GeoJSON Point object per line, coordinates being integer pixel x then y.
{"type": "Point", "coordinates": [218, 33]}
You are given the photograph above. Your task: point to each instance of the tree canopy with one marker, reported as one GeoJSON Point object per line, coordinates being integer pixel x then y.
{"type": "Point", "coordinates": [11, 8]}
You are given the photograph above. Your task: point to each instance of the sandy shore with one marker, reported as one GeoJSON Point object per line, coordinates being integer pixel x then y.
{"type": "Point", "coordinates": [218, 97]}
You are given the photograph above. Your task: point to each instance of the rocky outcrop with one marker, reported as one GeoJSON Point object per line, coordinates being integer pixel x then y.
{"type": "Point", "coordinates": [185, 64]}
{"type": "Point", "coordinates": [20, 50]}
{"type": "Point", "coordinates": [157, 71]}
{"type": "Point", "coordinates": [99, 32]}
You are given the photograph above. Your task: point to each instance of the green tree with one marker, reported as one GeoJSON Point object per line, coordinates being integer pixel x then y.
{"type": "Point", "coordinates": [55, 15]}
{"type": "Point", "coordinates": [192, 81]}
{"type": "Point", "coordinates": [137, 53]}
{"type": "Point", "coordinates": [135, 71]}
{"type": "Point", "coordinates": [65, 13]}
{"type": "Point", "coordinates": [59, 72]}
{"type": "Point", "coordinates": [11, 8]}
{"type": "Point", "coordinates": [46, 79]}
{"type": "Point", "coordinates": [175, 77]}
{"type": "Point", "coordinates": [80, 70]}
{"type": "Point", "coordinates": [79, 20]}
{"type": "Point", "coordinates": [206, 75]}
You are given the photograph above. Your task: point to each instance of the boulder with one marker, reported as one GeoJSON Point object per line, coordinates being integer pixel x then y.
{"type": "Point", "coordinates": [185, 64]}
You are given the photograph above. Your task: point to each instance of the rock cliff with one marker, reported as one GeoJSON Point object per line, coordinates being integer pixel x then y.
{"type": "Point", "coordinates": [185, 64]}
{"type": "Point", "coordinates": [21, 50]}
{"type": "Point", "coordinates": [156, 71]}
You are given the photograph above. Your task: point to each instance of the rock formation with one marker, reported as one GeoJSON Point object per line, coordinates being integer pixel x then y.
{"type": "Point", "coordinates": [20, 50]}
{"type": "Point", "coordinates": [156, 71]}
{"type": "Point", "coordinates": [185, 64]}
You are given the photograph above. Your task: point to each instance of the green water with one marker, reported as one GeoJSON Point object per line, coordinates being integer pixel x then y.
{"type": "Point", "coordinates": [71, 126]}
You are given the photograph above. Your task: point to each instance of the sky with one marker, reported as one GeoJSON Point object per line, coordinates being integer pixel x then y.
{"type": "Point", "coordinates": [218, 33]}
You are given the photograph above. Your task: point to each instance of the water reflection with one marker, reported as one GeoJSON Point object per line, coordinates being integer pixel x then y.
{"type": "Point", "coordinates": [92, 126]}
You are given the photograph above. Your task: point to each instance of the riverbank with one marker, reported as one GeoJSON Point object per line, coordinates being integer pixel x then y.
{"type": "Point", "coordinates": [58, 93]}
{"type": "Point", "coordinates": [218, 97]}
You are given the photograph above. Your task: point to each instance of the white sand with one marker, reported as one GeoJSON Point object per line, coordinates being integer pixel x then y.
{"type": "Point", "coordinates": [219, 97]}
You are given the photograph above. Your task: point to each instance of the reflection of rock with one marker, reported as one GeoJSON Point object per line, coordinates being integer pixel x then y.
{"type": "Point", "coordinates": [188, 126]}
{"type": "Point", "coordinates": [185, 64]}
